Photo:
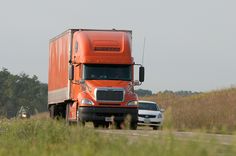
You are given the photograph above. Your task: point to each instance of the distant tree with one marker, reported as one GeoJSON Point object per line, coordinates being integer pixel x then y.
{"type": "Point", "coordinates": [143, 92]}
{"type": "Point", "coordinates": [179, 93]}
{"type": "Point", "coordinates": [21, 90]}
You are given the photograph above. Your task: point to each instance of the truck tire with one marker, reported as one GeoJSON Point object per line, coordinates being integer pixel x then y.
{"type": "Point", "coordinates": [118, 125]}
{"type": "Point", "coordinates": [106, 125]}
{"type": "Point", "coordinates": [95, 124]}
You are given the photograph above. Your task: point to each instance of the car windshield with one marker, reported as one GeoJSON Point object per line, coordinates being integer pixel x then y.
{"type": "Point", "coordinates": [107, 72]}
{"type": "Point", "coordinates": [148, 106]}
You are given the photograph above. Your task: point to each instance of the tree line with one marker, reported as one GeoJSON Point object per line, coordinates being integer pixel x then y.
{"type": "Point", "coordinates": [21, 90]}
{"type": "Point", "coordinates": [29, 92]}
{"type": "Point", "coordinates": [145, 92]}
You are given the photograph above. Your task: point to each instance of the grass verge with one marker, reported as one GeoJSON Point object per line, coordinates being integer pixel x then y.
{"type": "Point", "coordinates": [39, 137]}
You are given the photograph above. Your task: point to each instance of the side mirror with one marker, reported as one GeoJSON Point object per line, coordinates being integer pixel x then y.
{"type": "Point", "coordinates": [162, 110]}
{"type": "Point", "coordinates": [141, 74]}
{"type": "Point", "coordinates": [71, 72]}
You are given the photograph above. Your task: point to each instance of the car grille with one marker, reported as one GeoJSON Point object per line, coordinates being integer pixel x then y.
{"type": "Point", "coordinates": [146, 116]}
{"type": "Point", "coordinates": [151, 122]}
{"type": "Point", "coordinates": [109, 94]}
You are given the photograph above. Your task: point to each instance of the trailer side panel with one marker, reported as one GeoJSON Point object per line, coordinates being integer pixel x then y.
{"type": "Point", "coordinates": [59, 55]}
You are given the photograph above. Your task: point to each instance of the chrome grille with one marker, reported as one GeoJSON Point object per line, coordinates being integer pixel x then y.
{"type": "Point", "coordinates": [109, 94]}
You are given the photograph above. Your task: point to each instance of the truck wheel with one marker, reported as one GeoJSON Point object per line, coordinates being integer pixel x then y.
{"type": "Point", "coordinates": [95, 124]}
{"type": "Point", "coordinates": [118, 125]}
{"type": "Point", "coordinates": [106, 125]}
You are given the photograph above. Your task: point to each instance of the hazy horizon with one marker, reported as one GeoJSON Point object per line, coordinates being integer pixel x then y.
{"type": "Point", "coordinates": [190, 45]}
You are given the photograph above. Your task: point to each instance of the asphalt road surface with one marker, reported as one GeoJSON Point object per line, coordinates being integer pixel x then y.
{"type": "Point", "coordinates": [194, 136]}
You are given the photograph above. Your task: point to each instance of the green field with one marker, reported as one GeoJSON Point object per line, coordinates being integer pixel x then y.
{"type": "Point", "coordinates": [47, 137]}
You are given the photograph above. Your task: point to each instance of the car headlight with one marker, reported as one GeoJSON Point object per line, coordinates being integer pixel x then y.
{"type": "Point", "coordinates": [86, 102]}
{"type": "Point", "coordinates": [160, 115]}
{"type": "Point", "coordinates": [132, 103]}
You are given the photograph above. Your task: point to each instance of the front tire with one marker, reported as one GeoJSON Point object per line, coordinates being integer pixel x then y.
{"type": "Point", "coordinates": [95, 124]}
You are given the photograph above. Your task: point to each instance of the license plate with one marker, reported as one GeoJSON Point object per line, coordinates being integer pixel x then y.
{"type": "Point", "coordinates": [146, 120]}
{"type": "Point", "coordinates": [108, 119]}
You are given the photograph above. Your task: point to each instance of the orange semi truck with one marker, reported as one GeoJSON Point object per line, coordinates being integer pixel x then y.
{"type": "Point", "coordinates": [91, 77]}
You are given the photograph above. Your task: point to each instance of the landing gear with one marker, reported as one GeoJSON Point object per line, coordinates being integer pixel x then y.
{"type": "Point", "coordinates": [57, 111]}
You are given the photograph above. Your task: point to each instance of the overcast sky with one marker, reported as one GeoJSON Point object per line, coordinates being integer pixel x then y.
{"type": "Point", "coordinates": [190, 44]}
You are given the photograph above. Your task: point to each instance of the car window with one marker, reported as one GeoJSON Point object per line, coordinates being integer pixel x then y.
{"type": "Point", "coordinates": [148, 106]}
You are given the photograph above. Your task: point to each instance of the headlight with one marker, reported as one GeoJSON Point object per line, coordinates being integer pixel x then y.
{"type": "Point", "coordinates": [86, 102]}
{"type": "Point", "coordinates": [132, 103]}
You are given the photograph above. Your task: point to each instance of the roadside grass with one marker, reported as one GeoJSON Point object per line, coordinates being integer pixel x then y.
{"type": "Point", "coordinates": [212, 112]}
{"type": "Point", "coordinates": [48, 137]}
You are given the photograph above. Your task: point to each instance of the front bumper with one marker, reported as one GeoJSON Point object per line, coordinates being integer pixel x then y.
{"type": "Point", "coordinates": [149, 121]}
{"type": "Point", "coordinates": [99, 114]}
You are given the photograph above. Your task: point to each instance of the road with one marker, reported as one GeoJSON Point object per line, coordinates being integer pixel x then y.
{"type": "Point", "coordinates": [148, 132]}
{"type": "Point", "coordinates": [194, 136]}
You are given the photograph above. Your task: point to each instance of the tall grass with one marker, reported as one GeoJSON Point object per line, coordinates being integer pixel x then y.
{"type": "Point", "coordinates": [48, 138]}
{"type": "Point", "coordinates": [213, 111]}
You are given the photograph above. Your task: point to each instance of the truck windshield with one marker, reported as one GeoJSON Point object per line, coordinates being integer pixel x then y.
{"type": "Point", "coordinates": [107, 72]}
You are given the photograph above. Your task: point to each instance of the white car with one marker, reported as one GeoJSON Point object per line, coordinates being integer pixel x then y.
{"type": "Point", "coordinates": [150, 114]}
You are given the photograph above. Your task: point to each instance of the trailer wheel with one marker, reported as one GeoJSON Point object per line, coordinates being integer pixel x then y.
{"type": "Point", "coordinates": [118, 125]}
